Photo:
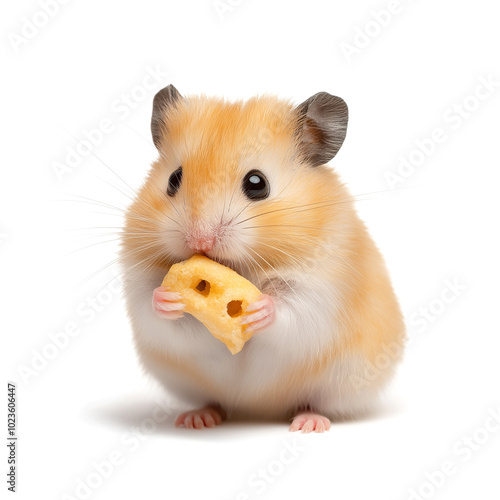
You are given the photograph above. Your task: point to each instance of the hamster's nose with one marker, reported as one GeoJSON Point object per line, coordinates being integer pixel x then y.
{"type": "Point", "coordinates": [200, 241]}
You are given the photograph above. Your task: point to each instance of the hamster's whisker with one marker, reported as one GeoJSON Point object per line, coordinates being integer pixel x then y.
{"type": "Point", "coordinates": [144, 246]}
{"type": "Point", "coordinates": [280, 250]}
{"type": "Point", "coordinates": [274, 269]}
{"type": "Point", "coordinates": [109, 214]}
{"type": "Point", "coordinates": [156, 258]}
{"type": "Point", "coordinates": [146, 220]}
{"type": "Point", "coordinates": [241, 262]}
{"type": "Point", "coordinates": [83, 237]}
{"type": "Point", "coordinates": [231, 200]}
{"type": "Point", "coordinates": [312, 206]}
{"type": "Point", "coordinates": [147, 233]}
{"type": "Point", "coordinates": [299, 236]}
{"type": "Point", "coordinates": [223, 210]}
{"type": "Point", "coordinates": [165, 195]}
{"type": "Point", "coordinates": [90, 201]}
{"type": "Point", "coordinates": [292, 225]}
{"type": "Point", "coordinates": [139, 135]}
{"type": "Point", "coordinates": [316, 205]}
{"type": "Point", "coordinates": [101, 161]}
{"type": "Point", "coordinates": [154, 211]}
{"type": "Point", "coordinates": [130, 215]}
{"type": "Point", "coordinates": [157, 223]}
{"type": "Point", "coordinates": [91, 228]}
{"type": "Point", "coordinates": [149, 261]}
{"type": "Point", "coordinates": [263, 270]}
{"type": "Point", "coordinates": [116, 236]}
{"type": "Point", "coordinates": [240, 212]}
{"type": "Point", "coordinates": [149, 208]}
{"type": "Point", "coordinates": [116, 187]}
{"type": "Point", "coordinates": [118, 275]}
{"type": "Point", "coordinates": [90, 246]}
{"type": "Point", "coordinates": [139, 249]}
{"type": "Point", "coordinates": [315, 243]}
{"type": "Point", "coordinates": [122, 210]}
{"type": "Point", "coordinates": [249, 263]}
{"type": "Point", "coordinates": [141, 236]}
{"type": "Point", "coordinates": [100, 270]}
{"type": "Point", "coordinates": [254, 271]}
{"type": "Point", "coordinates": [138, 263]}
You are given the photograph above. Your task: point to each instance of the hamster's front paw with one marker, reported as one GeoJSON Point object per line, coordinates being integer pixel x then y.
{"type": "Point", "coordinates": [167, 304]}
{"type": "Point", "coordinates": [260, 314]}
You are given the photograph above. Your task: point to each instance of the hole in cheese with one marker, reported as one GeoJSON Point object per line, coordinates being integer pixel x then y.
{"type": "Point", "coordinates": [234, 308]}
{"type": "Point", "coordinates": [203, 287]}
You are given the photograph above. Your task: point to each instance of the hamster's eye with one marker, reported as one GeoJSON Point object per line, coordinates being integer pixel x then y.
{"type": "Point", "coordinates": [255, 185]}
{"type": "Point", "coordinates": [174, 181]}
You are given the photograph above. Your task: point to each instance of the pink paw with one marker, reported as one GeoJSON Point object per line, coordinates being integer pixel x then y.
{"type": "Point", "coordinates": [167, 304]}
{"type": "Point", "coordinates": [309, 422]}
{"type": "Point", "coordinates": [204, 418]}
{"type": "Point", "coordinates": [260, 314]}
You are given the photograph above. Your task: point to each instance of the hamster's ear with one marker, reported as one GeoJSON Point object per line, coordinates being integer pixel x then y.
{"type": "Point", "coordinates": [322, 127]}
{"type": "Point", "coordinates": [163, 100]}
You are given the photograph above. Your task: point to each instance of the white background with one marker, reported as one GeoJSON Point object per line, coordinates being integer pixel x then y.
{"type": "Point", "coordinates": [441, 223]}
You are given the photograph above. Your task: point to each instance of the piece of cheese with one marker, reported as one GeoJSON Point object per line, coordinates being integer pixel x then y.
{"type": "Point", "coordinates": [215, 295]}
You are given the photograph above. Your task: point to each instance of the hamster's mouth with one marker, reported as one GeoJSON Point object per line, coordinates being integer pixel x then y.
{"type": "Point", "coordinates": [217, 259]}
{"type": "Point", "coordinates": [223, 261]}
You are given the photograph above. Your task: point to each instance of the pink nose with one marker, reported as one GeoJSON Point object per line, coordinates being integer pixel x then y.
{"type": "Point", "coordinates": [200, 242]}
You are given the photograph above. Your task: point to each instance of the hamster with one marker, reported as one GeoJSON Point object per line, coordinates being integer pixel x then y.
{"type": "Point", "coordinates": [247, 185]}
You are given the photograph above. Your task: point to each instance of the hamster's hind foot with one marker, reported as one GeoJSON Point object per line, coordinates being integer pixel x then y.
{"type": "Point", "coordinates": [309, 422]}
{"type": "Point", "coordinates": [203, 418]}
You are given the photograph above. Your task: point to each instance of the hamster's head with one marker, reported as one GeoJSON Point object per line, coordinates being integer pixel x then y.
{"type": "Point", "coordinates": [244, 183]}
